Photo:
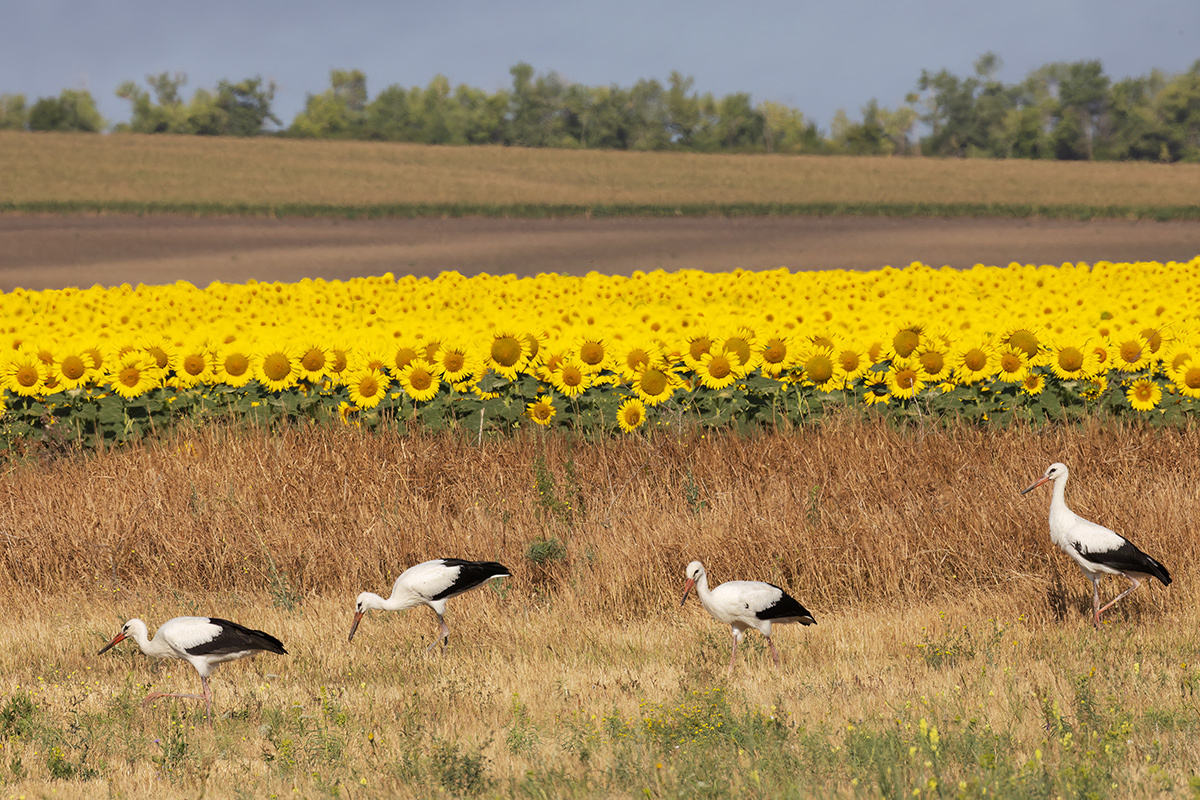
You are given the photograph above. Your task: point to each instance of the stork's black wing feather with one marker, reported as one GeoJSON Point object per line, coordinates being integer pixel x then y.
{"type": "Point", "coordinates": [1127, 558]}
{"type": "Point", "coordinates": [470, 575]}
{"type": "Point", "coordinates": [787, 607]}
{"type": "Point", "coordinates": [235, 638]}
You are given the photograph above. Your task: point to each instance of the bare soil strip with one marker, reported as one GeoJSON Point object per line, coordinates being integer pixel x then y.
{"type": "Point", "coordinates": [46, 252]}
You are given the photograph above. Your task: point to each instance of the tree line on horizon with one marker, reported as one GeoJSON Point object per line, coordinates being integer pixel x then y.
{"type": "Point", "coordinates": [1061, 111]}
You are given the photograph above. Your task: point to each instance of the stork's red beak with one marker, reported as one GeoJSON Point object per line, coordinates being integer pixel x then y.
{"type": "Point", "coordinates": [120, 637]}
{"type": "Point", "coordinates": [687, 588]}
{"type": "Point", "coordinates": [358, 615]}
{"type": "Point", "coordinates": [1035, 484]}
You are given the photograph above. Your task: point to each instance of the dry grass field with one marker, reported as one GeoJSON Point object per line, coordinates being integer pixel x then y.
{"type": "Point", "coordinates": [952, 655]}
{"type": "Point", "coordinates": [181, 170]}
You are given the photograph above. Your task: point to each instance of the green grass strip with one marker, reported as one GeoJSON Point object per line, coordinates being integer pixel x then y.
{"type": "Point", "coordinates": [1188, 213]}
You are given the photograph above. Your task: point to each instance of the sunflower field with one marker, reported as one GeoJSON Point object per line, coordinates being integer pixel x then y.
{"type": "Point", "coordinates": [606, 353]}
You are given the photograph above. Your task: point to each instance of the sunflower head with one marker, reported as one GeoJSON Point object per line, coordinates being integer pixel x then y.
{"type": "Point", "coordinates": [717, 370]}
{"type": "Point", "coordinates": [134, 374]}
{"type": "Point", "coordinates": [367, 387]}
{"type": "Point", "coordinates": [1144, 394]}
{"type": "Point", "coordinates": [541, 411]}
{"type": "Point", "coordinates": [420, 380]}
{"type": "Point", "coordinates": [631, 415]}
{"type": "Point", "coordinates": [571, 378]}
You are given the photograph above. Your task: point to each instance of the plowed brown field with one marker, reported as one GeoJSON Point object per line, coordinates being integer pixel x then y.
{"type": "Point", "coordinates": [43, 252]}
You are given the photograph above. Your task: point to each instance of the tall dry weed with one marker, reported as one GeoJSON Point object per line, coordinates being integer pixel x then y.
{"type": "Point", "coordinates": [843, 514]}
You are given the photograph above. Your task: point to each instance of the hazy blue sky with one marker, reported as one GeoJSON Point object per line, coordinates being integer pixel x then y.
{"type": "Point", "coordinates": [813, 56]}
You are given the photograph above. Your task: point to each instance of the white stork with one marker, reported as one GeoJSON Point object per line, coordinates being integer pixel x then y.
{"type": "Point", "coordinates": [745, 604]}
{"type": "Point", "coordinates": [430, 583]}
{"type": "Point", "coordinates": [1097, 550]}
{"type": "Point", "coordinates": [203, 642]}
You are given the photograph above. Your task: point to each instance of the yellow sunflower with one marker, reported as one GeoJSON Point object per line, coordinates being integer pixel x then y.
{"type": "Point", "coordinates": [820, 368]}
{"type": "Point", "coordinates": [777, 354]}
{"type": "Point", "coordinates": [655, 385]}
{"type": "Point", "coordinates": [195, 365]}
{"type": "Point", "coordinates": [420, 380]}
{"type": "Point", "coordinates": [591, 352]}
{"type": "Point", "coordinates": [454, 362]}
{"type": "Point", "coordinates": [541, 411]}
{"type": "Point", "coordinates": [906, 340]}
{"type": "Point", "coordinates": [1144, 394]}
{"type": "Point", "coordinates": [852, 362]}
{"type": "Point", "coordinates": [25, 373]}
{"type": "Point", "coordinates": [698, 346]}
{"type": "Point", "coordinates": [367, 387]}
{"type": "Point", "coordinates": [534, 342]}
{"type": "Point", "coordinates": [315, 361]}
{"type": "Point", "coordinates": [973, 362]}
{"type": "Point", "coordinates": [1073, 359]}
{"type": "Point", "coordinates": [72, 367]}
{"type": "Point", "coordinates": [162, 348]}
{"type": "Point", "coordinates": [1033, 384]}
{"type": "Point", "coordinates": [506, 355]}
{"type": "Point", "coordinates": [1012, 364]}
{"type": "Point", "coordinates": [636, 358]}
{"type": "Point", "coordinates": [277, 366]}
{"type": "Point", "coordinates": [741, 344]}
{"type": "Point", "coordinates": [631, 415]}
{"type": "Point", "coordinates": [571, 378]}
{"type": "Point", "coordinates": [1187, 379]}
{"type": "Point", "coordinates": [876, 389]}
{"type": "Point", "coordinates": [934, 360]}
{"type": "Point", "coordinates": [1131, 354]}
{"type": "Point", "coordinates": [905, 378]}
{"type": "Point", "coordinates": [233, 366]}
{"type": "Point", "coordinates": [134, 373]}
{"type": "Point", "coordinates": [1024, 339]}
{"type": "Point", "coordinates": [402, 356]}
{"type": "Point", "coordinates": [717, 370]}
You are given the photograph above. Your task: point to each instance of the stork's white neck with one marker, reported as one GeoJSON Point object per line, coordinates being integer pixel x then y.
{"type": "Point", "coordinates": [702, 591]}
{"type": "Point", "coordinates": [1061, 517]}
{"type": "Point", "coordinates": [400, 599]}
{"type": "Point", "coordinates": [151, 647]}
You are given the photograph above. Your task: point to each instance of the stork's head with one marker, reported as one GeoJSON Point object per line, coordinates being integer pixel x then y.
{"type": "Point", "coordinates": [122, 635]}
{"type": "Point", "coordinates": [694, 571]}
{"type": "Point", "coordinates": [365, 602]}
{"type": "Point", "coordinates": [1053, 472]}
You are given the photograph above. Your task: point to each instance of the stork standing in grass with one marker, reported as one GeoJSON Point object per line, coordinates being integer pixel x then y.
{"type": "Point", "coordinates": [745, 604]}
{"type": "Point", "coordinates": [430, 583]}
{"type": "Point", "coordinates": [203, 642]}
{"type": "Point", "coordinates": [1097, 550]}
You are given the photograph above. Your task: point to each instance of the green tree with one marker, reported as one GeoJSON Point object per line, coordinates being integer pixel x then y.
{"type": "Point", "coordinates": [165, 112]}
{"type": "Point", "coordinates": [246, 106]}
{"type": "Point", "coordinates": [14, 115]}
{"type": "Point", "coordinates": [340, 111]}
{"type": "Point", "coordinates": [536, 109]}
{"type": "Point", "coordinates": [72, 110]}
{"type": "Point", "coordinates": [1179, 108]}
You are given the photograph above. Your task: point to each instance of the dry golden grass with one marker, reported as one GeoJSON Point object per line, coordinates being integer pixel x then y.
{"type": "Point", "coordinates": [847, 513]}
{"type": "Point", "coordinates": [184, 170]}
{"type": "Point", "coordinates": [937, 593]}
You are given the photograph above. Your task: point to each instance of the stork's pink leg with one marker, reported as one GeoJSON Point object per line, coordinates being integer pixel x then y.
{"type": "Point", "coordinates": [733, 655]}
{"type": "Point", "coordinates": [443, 635]}
{"type": "Point", "coordinates": [774, 655]}
{"type": "Point", "coordinates": [1096, 602]}
{"type": "Point", "coordinates": [1135, 583]}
